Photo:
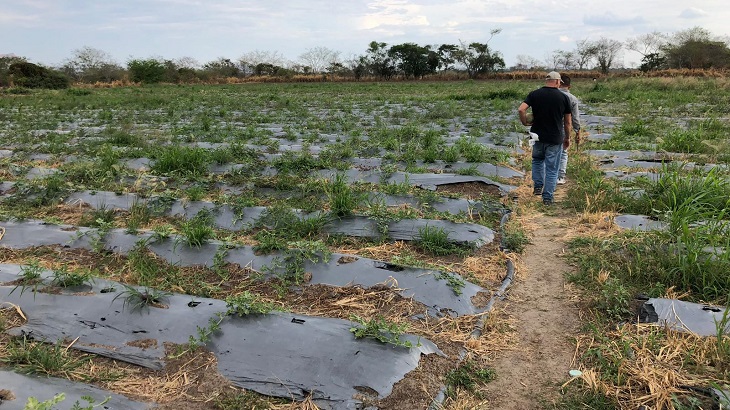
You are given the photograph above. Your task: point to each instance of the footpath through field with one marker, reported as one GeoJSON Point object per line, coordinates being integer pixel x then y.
{"type": "Point", "coordinates": [545, 314]}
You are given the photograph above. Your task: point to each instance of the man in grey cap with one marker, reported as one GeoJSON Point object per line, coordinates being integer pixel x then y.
{"type": "Point", "coordinates": [575, 119]}
{"type": "Point", "coordinates": [551, 122]}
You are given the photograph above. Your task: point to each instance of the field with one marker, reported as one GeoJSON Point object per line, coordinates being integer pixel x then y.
{"type": "Point", "coordinates": [343, 245]}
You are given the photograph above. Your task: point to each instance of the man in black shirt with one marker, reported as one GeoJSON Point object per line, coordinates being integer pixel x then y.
{"type": "Point", "coordinates": [551, 122]}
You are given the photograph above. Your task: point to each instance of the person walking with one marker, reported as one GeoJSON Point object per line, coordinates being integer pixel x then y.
{"type": "Point", "coordinates": [575, 119]}
{"type": "Point", "coordinates": [551, 122]}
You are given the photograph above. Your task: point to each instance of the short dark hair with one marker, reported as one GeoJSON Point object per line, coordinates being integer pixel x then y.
{"type": "Point", "coordinates": [565, 78]}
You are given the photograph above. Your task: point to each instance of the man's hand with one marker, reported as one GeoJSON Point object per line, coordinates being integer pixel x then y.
{"type": "Point", "coordinates": [566, 143]}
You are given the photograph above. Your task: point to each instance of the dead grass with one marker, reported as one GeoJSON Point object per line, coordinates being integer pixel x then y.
{"type": "Point", "coordinates": [655, 364]}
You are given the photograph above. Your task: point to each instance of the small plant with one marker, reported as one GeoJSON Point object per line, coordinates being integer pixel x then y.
{"type": "Point", "coordinates": [197, 230]}
{"type": "Point", "coordinates": [468, 376]}
{"type": "Point", "coordinates": [65, 278]}
{"type": "Point", "coordinates": [30, 276]}
{"type": "Point", "coordinates": [181, 160]}
{"type": "Point", "coordinates": [435, 240]}
{"type": "Point", "coordinates": [34, 404]}
{"type": "Point", "coordinates": [139, 299]}
{"type": "Point", "coordinates": [290, 267]}
{"type": "Point", "coordinates": [161, 232]}
{"type": "Point", "coordinates": [380, 329]}
{"type": "Point", "coordinates": [453, 281]}
{"type": "Point", "coordinates": [342, 198]}
{"type": "Point", "coordinates": [249, 400]}
{"type": "Point", "coordinates": [247, 303]}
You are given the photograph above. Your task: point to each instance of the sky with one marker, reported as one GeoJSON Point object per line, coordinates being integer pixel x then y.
{"type": "Point", "coordinates": [49, 32]}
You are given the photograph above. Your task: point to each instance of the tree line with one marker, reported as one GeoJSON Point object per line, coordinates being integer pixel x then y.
{"type": "Point", "coordinates": [694, 48]}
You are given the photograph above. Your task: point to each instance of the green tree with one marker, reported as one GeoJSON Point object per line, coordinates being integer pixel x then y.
{"type": "Point", "coordinates": [413, 60]}
{"type": "Point", "coordinates": [5, 63]}
{"type": "Point", "coordinates": [149, 71]}
{"type": "Point", "coordinates": [696, 48]}
{"type": "Point", "coordinates": [478, 58]}
{"type": "Point", "coordinates": [25, 74]}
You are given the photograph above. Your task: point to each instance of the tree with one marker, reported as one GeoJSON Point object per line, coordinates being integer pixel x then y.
{"type": "Point", "coordinates": [696, 48]}
{"type": "Point", "coordinates": [249, 60]}
{"type": "Point", "coordinates": [319, 58]}
{"type": "Point", "coordinates": [223, 68]}
{"type": "Point", "coordinates": [413, 60]}
{"type": "Point", "coordinates": [90, 65]}
{"type": "Point", "coordinates": [585, 51]}
{"type": "Point", "coordinates": [606, 52]}
{"type": "Point", "coordinates": [149, 71]}
{"type": "Point", "coordinates": [646, 44]}
{"type": "Point", "coordinates": [447, 54]}
{"type": "Point", "coordinates": [696, 54]}
{"type": "Point", "coordinates": [25, 74]}
{"type": "Point", "coordinates": [377, 61]}
{"type": "Point", "coordinates": [477, 58]}
{"type": "Point", "coordinates": [5, 63]}
{"type": "Point", "coordinates": [525, 62]}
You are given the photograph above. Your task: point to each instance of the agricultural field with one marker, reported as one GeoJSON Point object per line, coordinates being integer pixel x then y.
{"type": "Point", "coordinates": [342, 246]}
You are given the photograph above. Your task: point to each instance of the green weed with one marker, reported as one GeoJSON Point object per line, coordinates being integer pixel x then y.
{"type": "Point", "coordinates": [381, 330]}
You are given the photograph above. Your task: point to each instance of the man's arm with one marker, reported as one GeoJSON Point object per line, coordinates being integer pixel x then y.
{"type": "Point", "coordinates": [575, 113]}
{"type": "Point", "coordinates": [522, 111]}
{"type": "Point", "coordinates": [567, 121]}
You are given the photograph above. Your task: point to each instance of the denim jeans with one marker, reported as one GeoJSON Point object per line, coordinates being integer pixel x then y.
{"type": "Point", "coordinates": [545, 165]}
{"type": "Point", "coordinates": [563, 164]}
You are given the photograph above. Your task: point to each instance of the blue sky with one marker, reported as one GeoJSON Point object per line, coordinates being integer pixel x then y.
{"type": "Point", "coordinates": [49, 31]}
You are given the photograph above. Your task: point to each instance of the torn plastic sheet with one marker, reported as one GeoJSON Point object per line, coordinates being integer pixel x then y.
{"type": "Point", "coordinates": [23, 387]}
{"type": "Point", "coordinates": [225, 217]}
{"type": "Point", "coordinates": [683, 316]}
{"type": "Point", "coordinates": [277, 354]}
{"type": "Point", "coordinates": [639, 222]}
{"type": "Point", "coordinates": [425, 286]}
{"type": "Point", "coordinates": [431, 181]}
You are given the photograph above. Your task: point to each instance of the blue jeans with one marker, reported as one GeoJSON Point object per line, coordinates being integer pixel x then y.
{"type": "Point", "coordinates": [545, 165]}
{"type": "Point", "coordinates": [563, 164]}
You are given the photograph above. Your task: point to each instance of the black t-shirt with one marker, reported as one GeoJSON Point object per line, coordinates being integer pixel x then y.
{"type": "Point", "coordinates": [549, 105]}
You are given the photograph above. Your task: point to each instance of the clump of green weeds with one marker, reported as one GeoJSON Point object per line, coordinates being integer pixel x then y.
{"type": "Point", "coordinates": [290, 266]}
{"type": "Point", "coordinates": [65, 278]}
{"type": "Point", "coordinates": [242, 400]}
{"type": "Point", "coordinates": [469, 375]}
{"type": "Point", "coordinates": [34, 357]}
{"type": "Point", "coordinates": [435, 240]}
{"type": "Point", "coordinates": [247, 303]}
{"type": "Point", "coordinates": [181, 160]}
{"type": "Point", "coordinates": [455, 282]}
{"type": "Point", "coordinates": [381, 330]}
{"type": "Point", "coordinates": [33, 404]}
{"type": "Point", "coordinates": [138, 299]}
{"type": "Point", "coordinates": [343, 199]}
{"type": "Point", "coordinates": [198, 230]}
{"type": "Point", "coordinates": [30, 277]}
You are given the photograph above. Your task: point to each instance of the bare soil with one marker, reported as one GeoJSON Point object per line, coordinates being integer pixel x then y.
{"type": "Point", "coordinates": [546, 319]}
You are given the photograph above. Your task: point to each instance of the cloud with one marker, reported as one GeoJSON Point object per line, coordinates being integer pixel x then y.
{"type": "Point", "coordinates": [692, 13]}
{"type": "Point", "coordinates": [610, 19]}
{"type": "Point", "coordinates": [565, 39]}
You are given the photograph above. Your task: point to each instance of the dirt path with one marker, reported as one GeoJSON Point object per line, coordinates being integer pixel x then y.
{"type": "Point", "coordinates": [530, 376]}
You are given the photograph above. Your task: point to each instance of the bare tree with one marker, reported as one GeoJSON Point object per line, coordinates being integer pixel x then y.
{"type": "Point", "coordinates": [187, 62]}
{"type": "Point", "coordinates": [649, 43]}
{"type": "Point", "coordinates": [319, 58]}
{"type": "Point", "coordinates": [562, 60]}
{"type": "Point", "coordinates": [525, 62]}
{"type": "Point", "coordinates": [91, 64]}
{"type": "Point", "coordinates": [585, 51]}
{"type": "Point", "coordinates": [606, 52]}
{"type": "Point", "coordinates": [257, 57]}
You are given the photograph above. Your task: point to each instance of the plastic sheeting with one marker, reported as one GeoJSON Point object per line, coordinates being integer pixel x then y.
{"type": "Point", "coordinates": [683, 316]}
{"type": "Point", "coordinates": [277, 354]}
{"type": "Point", "coordinates": [43, 388]}
{"type": "Point", "coordinates": [639, 222]}
{"type": "Point", "coordinates": [225, 217]}
{"type": "Point", "coordinates": [426, 286]}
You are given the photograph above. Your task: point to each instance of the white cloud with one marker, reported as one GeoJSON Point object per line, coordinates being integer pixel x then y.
{"type": "Point", "coordinates": [565, 39]}
{"type": "Point", "coordinates": [610, 19]}
{"type": "Point", "coordinates": [692, 13]}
